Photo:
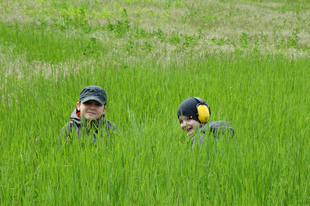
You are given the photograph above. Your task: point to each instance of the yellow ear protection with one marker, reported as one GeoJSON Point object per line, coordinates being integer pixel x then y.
{"type": "Point", "coordinates": [203, 110]}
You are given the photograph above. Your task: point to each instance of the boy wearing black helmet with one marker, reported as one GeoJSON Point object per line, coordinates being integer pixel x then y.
{"type": "Point", "coordinates": [88, 118]}
{"type": "Point", "coordinates": [194, 113]}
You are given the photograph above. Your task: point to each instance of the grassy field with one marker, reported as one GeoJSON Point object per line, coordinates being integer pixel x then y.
{"type": "Point", "coordinates": [248, 59]}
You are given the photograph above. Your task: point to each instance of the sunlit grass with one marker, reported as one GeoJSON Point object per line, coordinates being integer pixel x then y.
{"type": "Point", "coordinates": [164, 28]}
{"type": "Point", "coordinates": [148, 68]}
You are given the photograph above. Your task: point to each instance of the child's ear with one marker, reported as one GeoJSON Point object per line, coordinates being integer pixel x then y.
{"type": "Point", "coordinates": [104, 110]}
{"type": "Point", "coordinates": [78, 105]}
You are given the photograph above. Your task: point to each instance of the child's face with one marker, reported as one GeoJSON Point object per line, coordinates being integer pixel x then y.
{"type": "Point", "coordinates": [188, 125]}
{"type": "Point", "coordinates": [90, 110]}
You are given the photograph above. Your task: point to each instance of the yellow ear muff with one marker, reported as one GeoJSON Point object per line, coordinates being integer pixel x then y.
{"type": "Point", "coordinates": [203, 113]}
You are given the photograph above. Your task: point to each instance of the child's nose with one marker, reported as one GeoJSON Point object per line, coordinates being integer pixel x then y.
{"type": "Point", "coordinates": [183, 125]}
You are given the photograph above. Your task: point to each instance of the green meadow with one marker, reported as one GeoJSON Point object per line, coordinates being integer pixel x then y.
{"type": "Point", "coordinates": [249, 59]}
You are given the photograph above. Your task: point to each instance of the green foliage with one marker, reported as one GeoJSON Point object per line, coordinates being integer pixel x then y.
{"type": "Point", "coordinates": [119, 28]}
{"type": "Point", "coordinates": [293, 40]}
{"type": "Point", "coordinates": [38, 43]}
{"type": "Point", "coordinates": [150, 56]}
{"type": "Point", "coordinates": [124, 19]}
{"type": "Point", "coordinates": [175, 38]}
{"type": "Point", "coordinates": [150, 161]}
{"type": "Point", "coordinates": [189, 40]}
{"type": "Point", "coordinates": [244, 40]}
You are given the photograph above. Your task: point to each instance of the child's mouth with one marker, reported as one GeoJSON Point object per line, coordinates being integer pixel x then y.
{"type": "Point", "coordinates": [189, 129]}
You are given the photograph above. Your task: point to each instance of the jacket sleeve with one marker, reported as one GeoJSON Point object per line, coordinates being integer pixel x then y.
{"type": "Point", "coordinates": [110, 127]}
{"type": "Point", "coordinates": [218, 128]}
{"type": "Point", "coordinates": [65, 133]}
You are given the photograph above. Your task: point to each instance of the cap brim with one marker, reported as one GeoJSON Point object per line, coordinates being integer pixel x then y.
{"type": "Point", "coordinates": [92, 98]}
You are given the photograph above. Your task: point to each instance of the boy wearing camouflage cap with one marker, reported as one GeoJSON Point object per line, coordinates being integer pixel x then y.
{"type": "Point", "coordinates": [88, 118]}
{"type": "Point", "coordinates": [194, 113]}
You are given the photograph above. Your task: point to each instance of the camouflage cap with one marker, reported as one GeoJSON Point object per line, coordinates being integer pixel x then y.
{"type": "Point", "coordinates": [93, 93]}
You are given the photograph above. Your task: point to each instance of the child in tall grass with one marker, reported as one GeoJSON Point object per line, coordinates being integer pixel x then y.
{"type": "Point", "coordinates": [194, 114]}
{"type": "Point", "coordinates": [88, 118]}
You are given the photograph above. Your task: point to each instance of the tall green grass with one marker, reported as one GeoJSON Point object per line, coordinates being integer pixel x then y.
{"type": "Point", "coordinates": [150, 161]}
{"type": "Point", "coordinates": [43, 67]}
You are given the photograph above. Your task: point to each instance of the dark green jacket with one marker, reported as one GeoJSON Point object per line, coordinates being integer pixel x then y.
{"type": "Point", "coordinates": [216, 129]}
{"type": "Point", "coordinates": [99, 128]}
